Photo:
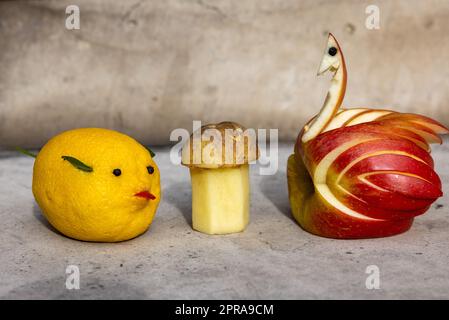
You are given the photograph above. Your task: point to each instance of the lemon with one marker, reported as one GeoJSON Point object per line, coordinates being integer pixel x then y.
{"type": "Point", "coordinates": [96, 184]}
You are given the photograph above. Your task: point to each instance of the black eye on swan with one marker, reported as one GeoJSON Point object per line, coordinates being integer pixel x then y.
{"type": "Point", "coordinates": [332, 51]}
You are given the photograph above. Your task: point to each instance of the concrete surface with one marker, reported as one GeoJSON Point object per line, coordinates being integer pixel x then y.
{"type": "Point", "coordinates": [145, 67]}
{"type": "Point", "coordinates": [273, 259]}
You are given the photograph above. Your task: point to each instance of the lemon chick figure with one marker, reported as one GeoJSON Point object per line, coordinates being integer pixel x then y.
{"type": "Point", "coordinates": [96, 184]}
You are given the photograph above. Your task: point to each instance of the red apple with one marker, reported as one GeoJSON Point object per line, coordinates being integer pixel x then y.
{"type": "Point", "coordinates": [361, 173]}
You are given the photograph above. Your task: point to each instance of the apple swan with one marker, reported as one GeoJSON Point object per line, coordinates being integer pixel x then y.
{"type": "Point", "coordinates": [361, 173]}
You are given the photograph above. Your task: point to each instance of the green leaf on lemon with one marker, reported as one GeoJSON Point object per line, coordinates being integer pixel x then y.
{"type": "Point", "coordinates": [78, 164]}
{"type": "Point", "coordinates": [25, 152]}
{"type": "Point", "coordinates": [150, 151]}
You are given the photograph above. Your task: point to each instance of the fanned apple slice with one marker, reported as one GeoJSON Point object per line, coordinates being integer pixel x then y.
{"type": "Point", "coordinates": [429, 135]}
{"type": "Point", "coordinates": [367, 116]}
{"type": "Point", "coordinates": [417, 139]}
{"type": "Point", "coordinates": [333, 61]}
{"type": "Point", "coordinates": [342, 117]}
{"type": "Point", "coordinates": [433, 125]}
{"type": "Point", "coordinates": [409, 185]}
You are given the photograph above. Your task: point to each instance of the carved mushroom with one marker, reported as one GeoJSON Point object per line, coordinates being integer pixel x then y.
{"type": "Point", "coordinates": [218, 156]}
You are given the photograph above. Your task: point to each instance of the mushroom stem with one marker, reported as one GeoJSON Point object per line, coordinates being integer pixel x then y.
{"type": "Point", "coordinates": [220, 199]}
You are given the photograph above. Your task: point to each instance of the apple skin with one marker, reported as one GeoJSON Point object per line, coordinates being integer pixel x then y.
{"type": "Point", "coordinates": [316, 216]}
{"type": "Point", "coordinates": [361, 173]}
{"type": "Point", "coordinates": [367, 180]}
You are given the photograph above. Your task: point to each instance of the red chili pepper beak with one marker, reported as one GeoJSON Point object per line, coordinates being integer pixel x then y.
{"type": "Point", "coordinates": [146, 195]}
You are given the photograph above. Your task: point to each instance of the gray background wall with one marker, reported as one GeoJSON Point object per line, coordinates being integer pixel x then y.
{"type": "Point", "coordinates": [147, 67]}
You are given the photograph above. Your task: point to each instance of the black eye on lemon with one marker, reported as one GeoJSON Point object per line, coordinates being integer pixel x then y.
{"type": "Point", "coordinates": [117, 172]}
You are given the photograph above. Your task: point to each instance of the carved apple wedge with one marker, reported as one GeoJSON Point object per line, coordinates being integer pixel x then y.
{"type": "Point", "coordinates": [333, 61]}
{"type": "Point", "coordinates": [361, 173]}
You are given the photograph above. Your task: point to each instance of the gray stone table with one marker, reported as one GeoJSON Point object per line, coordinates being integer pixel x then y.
{"type": "Point", "coordinates": [272, 259]}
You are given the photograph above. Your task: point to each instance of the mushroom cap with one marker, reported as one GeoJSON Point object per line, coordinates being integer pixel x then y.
{"type": "Point", "coordinates": [223, 145]}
